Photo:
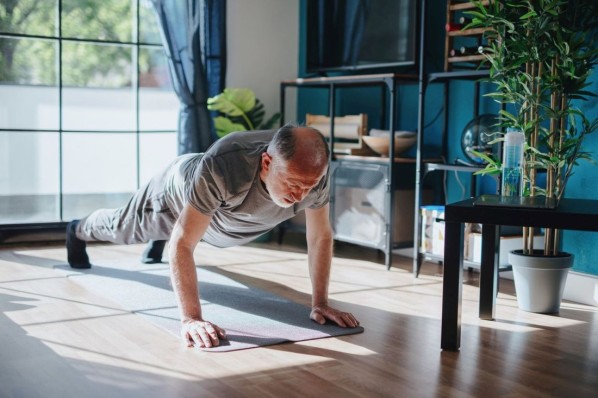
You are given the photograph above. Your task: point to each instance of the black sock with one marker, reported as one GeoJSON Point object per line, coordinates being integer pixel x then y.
{"type": "Point", "coordinates": [75, 247]}
{"type": "Point", "coordinates": [153, 252]}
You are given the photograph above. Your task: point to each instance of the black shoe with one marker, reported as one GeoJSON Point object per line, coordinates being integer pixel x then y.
{"type": "Point", "coordinates": [75, 247]}
{"type": "Point", "coordinates": [153, 252]}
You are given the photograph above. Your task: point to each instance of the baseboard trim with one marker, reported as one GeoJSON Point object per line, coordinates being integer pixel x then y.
{"type": "Point", "coordinates": [582, 288]}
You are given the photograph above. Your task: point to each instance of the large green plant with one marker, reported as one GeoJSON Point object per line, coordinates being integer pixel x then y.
{"type": "Point", "coordinates": [540, 54]}
{"type": "Point", "coordinates": [239, 110]}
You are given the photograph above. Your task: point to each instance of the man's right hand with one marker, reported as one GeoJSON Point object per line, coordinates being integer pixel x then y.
{"type": "Point", "coordinates": [202, 334]}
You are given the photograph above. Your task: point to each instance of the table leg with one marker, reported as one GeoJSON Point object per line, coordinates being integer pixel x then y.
{"type": "Point", "coordinates": [489, 270]}
{"type": "Point", "coordinates": [452, 283]}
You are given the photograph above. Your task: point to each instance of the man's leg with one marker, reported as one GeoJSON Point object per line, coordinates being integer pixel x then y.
{"type": "Point", "coordinates": [107, 225]}
{"type": "Point", "coordinates": [153, 252]}
{"type": "Point", "coordinates": [145, 217]}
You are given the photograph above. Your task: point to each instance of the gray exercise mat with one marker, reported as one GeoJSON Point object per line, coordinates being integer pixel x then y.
{"type": "Point", "coordinates": [251, 317]}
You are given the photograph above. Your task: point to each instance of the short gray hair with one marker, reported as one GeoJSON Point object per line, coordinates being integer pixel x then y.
{"type": "Point", "coordinates": [284, 142]}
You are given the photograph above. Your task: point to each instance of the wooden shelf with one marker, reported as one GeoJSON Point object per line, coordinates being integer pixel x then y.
{"type": "Point", "coordinates": [467, 32]}
{"type": "Point", "coordinates": [466, 58]}
{"type": "Point", "coordinates": [456, 39]}
{"type": "Point", "coordinates": [466, 6]}
{"type": "Point", "coordinates": [385, 160]}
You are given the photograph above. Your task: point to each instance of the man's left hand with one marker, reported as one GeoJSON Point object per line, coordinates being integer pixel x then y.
{"type": "Point", "coordinates": [320, 313]}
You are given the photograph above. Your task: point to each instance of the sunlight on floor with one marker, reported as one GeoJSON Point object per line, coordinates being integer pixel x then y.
{"type": "Point", "coordinates": [306, 353]}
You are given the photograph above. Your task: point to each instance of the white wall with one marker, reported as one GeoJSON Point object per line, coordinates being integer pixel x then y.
{"type": "Point", "coordinates": [263, 49]}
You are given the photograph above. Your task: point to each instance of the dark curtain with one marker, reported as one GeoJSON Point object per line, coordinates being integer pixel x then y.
{"type": "Point", "coordinates": [193, 34]}
{"type": "Point", "coordinates": [215, 46]}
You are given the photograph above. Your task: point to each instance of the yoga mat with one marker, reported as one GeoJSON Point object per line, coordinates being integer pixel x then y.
{"type": "Point", "coordinates": [251, 317]}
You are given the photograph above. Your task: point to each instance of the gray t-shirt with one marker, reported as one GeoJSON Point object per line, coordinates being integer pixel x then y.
{"type": "Point", "coordinates": [226, 185]}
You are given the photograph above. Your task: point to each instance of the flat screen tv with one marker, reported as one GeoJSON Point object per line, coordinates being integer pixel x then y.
{"type": "Point", "coordinates": [360, 34]}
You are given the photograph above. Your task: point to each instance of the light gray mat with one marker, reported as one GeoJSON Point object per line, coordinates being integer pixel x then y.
{"type": "Point", "coordinates": [251, 317]}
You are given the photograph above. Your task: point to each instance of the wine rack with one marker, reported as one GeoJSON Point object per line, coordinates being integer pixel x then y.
{"type": "Point", "coordinates": [463, 47]}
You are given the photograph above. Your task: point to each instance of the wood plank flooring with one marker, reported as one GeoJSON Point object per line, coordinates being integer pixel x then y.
{"type": "Point", "coordinates": [59, 340]}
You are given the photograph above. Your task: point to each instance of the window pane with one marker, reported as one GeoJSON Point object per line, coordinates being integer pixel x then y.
{"type": "Point", "coordinates": [98, 109]}
{"type": "Point", "coordinates": [28, 61]}
{"type": "Point", "coordinates": [29, 177]}
{"type": "Point", "coordinates": [156, 151]}
{"type": "Point", "coordinates": [28, 107]}
{"type": "Point", "coordinates": [32, 17]}
{"type": "Point", "coordinates": [149, 32]}
{"type": "Point", "coordinates": [110, 20]}
{"type": "Point", "coordinates": [96, 65]}
{"type": "Point", "coordinates": [98, 94]}
{"type": "Point", "coordinates": [28, 84]}
{"type": "Point", "coordinates": [158, 104]}
{"type": "Point", "coordinates": [99, 170]}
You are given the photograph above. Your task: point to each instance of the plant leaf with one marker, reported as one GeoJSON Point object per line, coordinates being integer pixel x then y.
{"type": "Point", "coordinates": [225, 126]}
{"type": "Point", "coordinates": [233, 101]}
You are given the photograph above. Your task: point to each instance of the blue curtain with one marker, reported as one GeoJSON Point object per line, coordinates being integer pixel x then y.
{"type": "Point", "coordinates": [194, 38]}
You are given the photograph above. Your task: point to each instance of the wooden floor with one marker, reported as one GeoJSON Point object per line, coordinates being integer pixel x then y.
{"type": "Point", "coordinates": [58, 340]}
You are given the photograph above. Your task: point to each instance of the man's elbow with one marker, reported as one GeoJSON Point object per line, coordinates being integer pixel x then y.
{"type": "Point", "coordinates": [323, 237]}
{"type": "Point", "coordinates": [178, 245]}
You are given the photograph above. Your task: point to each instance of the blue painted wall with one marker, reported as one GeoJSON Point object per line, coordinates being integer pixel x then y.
{"type": "Point", "coordinates": [583, 184]}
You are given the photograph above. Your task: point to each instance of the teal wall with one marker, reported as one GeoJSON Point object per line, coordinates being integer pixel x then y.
{"type": "Point", "coordinates": [583, 184]}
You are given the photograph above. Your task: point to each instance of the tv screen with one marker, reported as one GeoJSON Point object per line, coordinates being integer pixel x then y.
{"type": "Point", "coordinates": [360, 34]}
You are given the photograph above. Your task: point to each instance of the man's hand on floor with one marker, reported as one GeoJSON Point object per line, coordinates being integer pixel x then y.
{"type": "Point", "coordinates": [202, 334]}
{"type": "Point", "coordinates": [320, 313]}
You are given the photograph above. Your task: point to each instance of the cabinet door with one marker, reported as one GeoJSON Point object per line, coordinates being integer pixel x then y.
{"type": "Point", "coordinates": [359, 205]}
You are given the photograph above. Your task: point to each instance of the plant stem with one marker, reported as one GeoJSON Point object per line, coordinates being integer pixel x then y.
{"type": "Point", "coordinates": [250, 125]}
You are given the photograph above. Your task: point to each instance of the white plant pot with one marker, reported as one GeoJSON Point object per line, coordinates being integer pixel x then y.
{"type": "Point", "coordinates": [540, 280]}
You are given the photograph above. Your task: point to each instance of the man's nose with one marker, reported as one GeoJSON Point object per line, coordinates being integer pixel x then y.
{"type": "Point", "coordinates": [298, 194]}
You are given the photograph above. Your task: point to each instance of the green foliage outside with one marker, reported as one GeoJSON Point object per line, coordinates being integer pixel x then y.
{"type": "Point", "coordinates": [35, 61]}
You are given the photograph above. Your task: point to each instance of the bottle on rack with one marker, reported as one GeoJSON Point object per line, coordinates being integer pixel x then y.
{"type": "Point", "coordinates": [460, 24]}
{"type": "Point", "coordinates": [452, 26]}
{"type": "Point", "coordinates": [464, 20]}
{"type": "Point", "coordinates": [512, 163]}
{"type": "Point", "coordinates": [463, 51]}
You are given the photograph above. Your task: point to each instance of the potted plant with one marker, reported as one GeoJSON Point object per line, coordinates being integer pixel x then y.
{"type": "Point", "coordinates": [239, 110]}
{"type": "Point", "coordinates": [540, 54]}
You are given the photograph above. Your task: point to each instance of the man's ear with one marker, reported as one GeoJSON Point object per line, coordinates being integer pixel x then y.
{"type": "Point", "coordinates": [266, 161]}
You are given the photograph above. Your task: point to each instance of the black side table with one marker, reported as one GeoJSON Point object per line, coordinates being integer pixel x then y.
{"type": "Point", "coordinates": [573, 214]}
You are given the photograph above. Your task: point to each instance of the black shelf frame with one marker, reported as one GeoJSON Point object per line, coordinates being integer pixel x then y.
{"type": "Point", "coordinates": [389, 82]}
{"type": "Point", "coordinates": [424, 169]}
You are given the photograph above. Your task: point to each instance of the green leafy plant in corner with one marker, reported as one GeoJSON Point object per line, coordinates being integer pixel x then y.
{"type": "Point", "coordinates": [239, 110]}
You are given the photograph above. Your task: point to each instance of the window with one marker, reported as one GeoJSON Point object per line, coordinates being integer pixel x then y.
{"type": "Point", "coordinates": [87, 111]}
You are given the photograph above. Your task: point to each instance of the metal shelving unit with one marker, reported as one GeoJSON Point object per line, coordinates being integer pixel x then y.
{"type": "Point", "coordinates": [388, 83]}
{"type": "Point", "coordinates": [424, 169]}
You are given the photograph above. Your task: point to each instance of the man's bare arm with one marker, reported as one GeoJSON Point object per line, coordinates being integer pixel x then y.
{"type": "Point", "coordinates": [187, 232]}
{"type": "Point", "coordinates": [319, 252]}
